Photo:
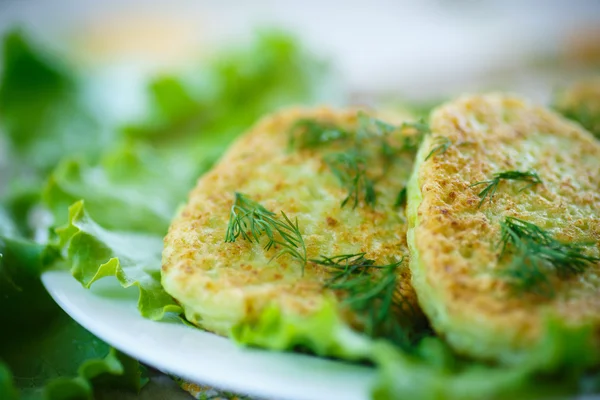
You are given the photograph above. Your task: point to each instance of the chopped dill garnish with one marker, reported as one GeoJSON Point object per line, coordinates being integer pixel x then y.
{"type": "Point", "coordinates": [412, 142]}
{"type": "Point", "coordinates": [251, 220]}
{"type": "Point", "coordinates": [370, 290]}
{"type": "Point", "coordinates": [420, 126]}
{"type": "Point", "coordinates": [401, 198]}
{"type": "Point", "coordinates": [350, 169]}
{"type": "Point", "coordinates": [311, 133]}
{"type": "Point", "coordinates": [536, 254]}
{"type": "Point", "coordinates": [369, 127]}
{"type": "Point", "coordinates": [372, 127]}
{"type": "Point", "coordinates": [388, 154]}
{"type": "Point", "coordinates": [442, 144]}
{"type": "Point", "coordinates": [492, 185]}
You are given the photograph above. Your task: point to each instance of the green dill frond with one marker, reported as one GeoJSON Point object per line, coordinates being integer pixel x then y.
{"type": "Point", "coordinates": [311, 133]}
{"type": "Point", "coordinates": [401, 198]}
{"type": "Point", "coordinates": [412, 142]}
{"type": "Point", "coordinates": [345, 266]}
{"type": "Point", "coordinates": [251, 221]}
{"type": "Point", "coordinates": [492, 185]}
{"type": "Point", "coordinates": [371, 292]}
{"type": "Point", "coordinates": [350, 170]}
{"type": "Point", "coordinates": [536, 255]}
{"type": "Point", "coordinates": [442, 144]}
{"type": "Point", "coordinates": [388, 154]}
{"type": "Point", "coordinates": [419, 126]}
{"type": "Point", "coordinates": [369, 127]}
{"type": "Point", "coordinates": [350, 167]}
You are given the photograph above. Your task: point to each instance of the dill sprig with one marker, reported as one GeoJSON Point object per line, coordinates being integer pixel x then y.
{"type": "Point", "coordinates": [401, 198]}
{"type": "Point", "coordinates": [350, 169]}
{"type": "Point", "coordinates": [492, 185]}
{"type": "Point", "coordinates": [412, 142]}
{"type": "Point", "coordinates": [251, 221]}
{"type": "Point", "coordinates": [442, 144]}
{"type": "Point", "coordinates": [310, 133]}
{"type": "Point", "coordinates": [536, 254]}
{"type": "Point", "coordinates": [371, 292]}
{"type": "Point", "coordinates": [370, 127]}
{"type": "Point", "coordinates": [420, 126]}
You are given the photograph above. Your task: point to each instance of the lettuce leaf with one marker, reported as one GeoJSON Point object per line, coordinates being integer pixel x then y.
{"type": "Point", "coordinates": [94, 252]}
{"type": "Point", "coordinates": [50, 355]}
{"type": "Point", "coordinates": [554, 368]}
{"type": "Point", "coordinates": [130, 189]}
{"type": "Point", "coordinates": [8, 390]}
{"type": "Point", "coordinates": [322, 333]}
{"type": "Point", "coordinates": [61, 360]}
{"type": "Point", "coordinates": [42, 112]}
{"type": "Point", "coordinates": [21, 263]}
{"type": "Point", "coordinates": [433, 370]}
{"type": "Point", "coordinates": [130, 198]}
{"type": "Point", "coordinates": [43, 117]}
{"type": "Point", "coordinates": [115, 370]}
{"type": "Point", "coordinates": [207, 109]}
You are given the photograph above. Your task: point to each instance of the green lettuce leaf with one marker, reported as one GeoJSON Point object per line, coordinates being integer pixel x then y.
{"type": "Point", "coordinates": [43, 117]}
{"type": "Point", "coordinates": [205, 111]}
{"type": "Point", "coordinates": [8, 390]}
{"type": "Point", "coordinates": [61, 360]}
{"type": "Point", "coordinates": [433, 370]}
{"type": "Point", "coordinates": [21, 263]}
{"type": "Point", "coordinates": [322, 333]}
{"type": "Point", "coordinates": [555, 368]}
{"type": "Point", "coordinates": [130, 198]}
{"type": "Point", "coordinates": [41, 109]}
{"type": "Point", "coordinates": [50, 355]}
{"type": "Point", "coordinates": [115, 370]}
{"type": "Point", "coordinates": [130, 189]}
{"type": "Point", "coordinates": [94, 252]}
{"type": "Point", "coordinates": [405, 376]}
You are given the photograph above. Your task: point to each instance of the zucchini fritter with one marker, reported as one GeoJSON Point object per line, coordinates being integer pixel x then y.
{"type": "Point", "coordinates": [222, 284]}
{"type": "Point", "coordinates": [463, 278]}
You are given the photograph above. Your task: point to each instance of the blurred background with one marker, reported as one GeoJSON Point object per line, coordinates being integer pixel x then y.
{"type": "Point", "coordinates": [415, 50]}
{"type": "Point", "coordinates": [123, 104]}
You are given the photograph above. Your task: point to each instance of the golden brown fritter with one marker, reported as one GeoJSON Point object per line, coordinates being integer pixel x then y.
{"type": "Point", "coordinates": [222, 284]}
{"type": "Point", "coordinates": [454, 242]}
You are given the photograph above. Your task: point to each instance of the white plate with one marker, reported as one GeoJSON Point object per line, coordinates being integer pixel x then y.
{"type": "Point", "coordinates": [202, 357]}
